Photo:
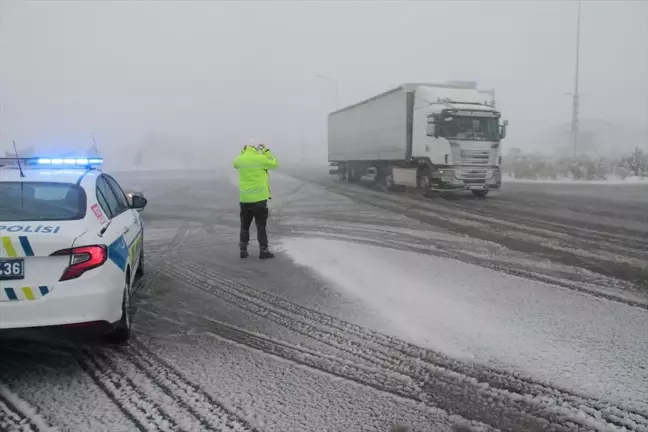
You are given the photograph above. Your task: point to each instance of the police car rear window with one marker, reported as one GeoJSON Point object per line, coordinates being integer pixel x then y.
{"type": "Point", "coordinates": [41, 201]}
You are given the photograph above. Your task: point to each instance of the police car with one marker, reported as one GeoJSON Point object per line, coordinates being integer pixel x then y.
{"type": "Point", "coordinates": [70, 246]}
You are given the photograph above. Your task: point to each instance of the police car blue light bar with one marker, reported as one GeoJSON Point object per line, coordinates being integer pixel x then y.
{"type": "Point", "coordinates": [83, 162]}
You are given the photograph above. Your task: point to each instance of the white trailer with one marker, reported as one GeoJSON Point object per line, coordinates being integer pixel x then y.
{"type": "Point", "coordinates": [430, 136]}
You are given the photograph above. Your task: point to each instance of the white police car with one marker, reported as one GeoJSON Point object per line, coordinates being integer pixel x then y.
{"type": "Point", "coordinates": [70, 246]}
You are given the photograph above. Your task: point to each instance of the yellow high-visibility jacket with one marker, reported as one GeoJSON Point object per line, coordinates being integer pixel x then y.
{"type": "Point", "coordinates": [253, 166]}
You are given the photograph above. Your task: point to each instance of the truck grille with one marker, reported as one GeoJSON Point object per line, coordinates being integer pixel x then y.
{"type": "Point", "coordinates": [474, 157]}
{"type": "Point", "coordinates": [472, 174]}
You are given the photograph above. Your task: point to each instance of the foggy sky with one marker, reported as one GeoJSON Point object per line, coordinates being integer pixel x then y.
{"type": "Point", "coordinates": [221, 72]}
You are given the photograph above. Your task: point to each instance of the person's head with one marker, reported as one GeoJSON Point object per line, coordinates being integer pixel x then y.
{"type": "Point", "coordinates": [251, 144]}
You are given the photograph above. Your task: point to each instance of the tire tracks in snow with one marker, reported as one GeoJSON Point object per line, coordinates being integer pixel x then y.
{"type": "Point", "coordinates": [454, 221]}
{"type": "Point", "coordinates": [358, 367]}
{"type": "Point", "coordinates": [493, 397]}
{"type": "Point", "coordinates": [132, 401]}
{"type": "Point", "coordinates": [157, 259]}
{"type": "Point", "coordinates": [506, 213]}
{"type": "Point", "coordinates": [443, 249]}
{"type": "Point", "coordinates": [16, 415]}
{"type": "Point", "coordinates": [498, 221]}
{"type": "Point", "coordinates": [153, 395]}
{"type": "Point", "coordinates": [210, 413]}
{"type": "Point", "coordinates": [446, 219]}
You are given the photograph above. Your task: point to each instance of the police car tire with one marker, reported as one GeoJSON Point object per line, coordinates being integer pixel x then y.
{"type": "Point", "coordinates": [122, 331]}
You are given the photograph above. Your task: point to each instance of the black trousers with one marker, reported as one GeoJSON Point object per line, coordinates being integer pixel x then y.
{"type": "Point", "coordinates": [258, 212]}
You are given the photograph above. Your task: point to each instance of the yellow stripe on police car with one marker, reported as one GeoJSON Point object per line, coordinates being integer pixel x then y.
{"type": "Point", "coordinates": [14, 247]}
{"type": "Point", "coordinates": [19, 293]}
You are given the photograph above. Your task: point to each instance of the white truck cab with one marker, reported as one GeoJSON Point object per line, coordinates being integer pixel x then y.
{"type": "Point", "coordinates": [460, 136]}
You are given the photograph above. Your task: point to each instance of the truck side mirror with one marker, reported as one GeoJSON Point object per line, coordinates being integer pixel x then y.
{"type": "Point", "coordinates": [431, 129]}
{"type": "Point", "coordinates": [503, 129]}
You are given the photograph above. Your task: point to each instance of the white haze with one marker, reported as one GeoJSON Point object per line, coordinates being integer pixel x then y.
{"type": "Point", "coordinates": [209, 75]}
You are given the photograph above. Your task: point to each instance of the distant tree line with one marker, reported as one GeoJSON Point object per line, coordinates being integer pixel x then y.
{"type": "Point", "coordinates": [583, 167]}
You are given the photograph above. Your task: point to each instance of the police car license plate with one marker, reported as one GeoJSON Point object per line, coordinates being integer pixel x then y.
{"type": "Point", "coordinates": [12, 269]}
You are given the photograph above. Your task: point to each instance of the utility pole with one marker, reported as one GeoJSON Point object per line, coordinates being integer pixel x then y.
{"type": "Point", "coordinates": [491, 93]}
{"type": "Point", "coordinates": [301, 133]}
{"type": "Point", "coordinates": [576, 96]}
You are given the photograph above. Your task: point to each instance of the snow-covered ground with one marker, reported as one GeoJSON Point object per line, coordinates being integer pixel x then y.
{"type": "Point", "coordinates": [570, 339]}
{"type": "Point", "coordinates": [379, 309]}
{"type": "Point", "coordinates": [612, 180]}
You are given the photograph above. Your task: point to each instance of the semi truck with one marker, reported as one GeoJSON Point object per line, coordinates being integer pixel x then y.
{"type": "Point", "coordinates": [430, 136]}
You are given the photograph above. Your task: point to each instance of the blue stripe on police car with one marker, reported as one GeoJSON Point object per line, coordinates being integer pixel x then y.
{"type": "Point", "coordinates": [118, 252]}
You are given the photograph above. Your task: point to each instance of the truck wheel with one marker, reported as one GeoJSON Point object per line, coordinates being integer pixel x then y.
{"type": "Point", "coordinates": [480, 193]}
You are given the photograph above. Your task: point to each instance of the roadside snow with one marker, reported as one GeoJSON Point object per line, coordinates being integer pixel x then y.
{"type": "Point", "coordinates": [612, 180]}
{"type": "Point", "coordinates": [571, 339]}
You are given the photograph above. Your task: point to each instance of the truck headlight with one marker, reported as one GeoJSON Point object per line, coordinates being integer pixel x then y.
{"type": "Point", "coordinates": [446, 173]}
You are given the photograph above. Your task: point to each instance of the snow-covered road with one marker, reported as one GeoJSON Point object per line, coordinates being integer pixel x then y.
{"type": "Point", "coordinates": [568, 338]}
{"type": "Point", "coordinates": [379, 310]}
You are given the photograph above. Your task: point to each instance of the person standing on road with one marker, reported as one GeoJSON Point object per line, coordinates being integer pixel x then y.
{"type": "Point", "coordinates": [253, 165]}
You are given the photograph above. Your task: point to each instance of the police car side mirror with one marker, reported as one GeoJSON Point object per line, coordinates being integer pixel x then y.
{"type": "Point", "coordinates": [138, 202]}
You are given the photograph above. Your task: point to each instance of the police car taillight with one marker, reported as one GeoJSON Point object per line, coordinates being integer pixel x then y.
{"type": "Point", "coordinates": [82, 259]}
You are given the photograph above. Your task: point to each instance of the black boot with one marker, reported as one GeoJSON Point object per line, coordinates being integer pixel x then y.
{"type": "Point", "coordinates": [244, 253]}
{"type": "Point", "coordinates": [265, 254]}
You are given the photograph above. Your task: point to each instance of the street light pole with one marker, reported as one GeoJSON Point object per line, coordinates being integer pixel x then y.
{"type": "Point", "coordinates": [576, 96]}
{"type": "Point", "coordinates": [301, 133]}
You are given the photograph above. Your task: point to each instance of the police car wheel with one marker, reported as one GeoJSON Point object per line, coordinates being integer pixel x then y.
{"type": "Point", "coordinates": [122, 331]}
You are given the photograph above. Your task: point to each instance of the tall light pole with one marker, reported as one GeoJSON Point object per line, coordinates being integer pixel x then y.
{"type": "Point", "coordinates": [576, 96]}
{"type": "Point", "coordinates": [336, 83]}
{"type": "Point", "coordinates": [491, 93]}
{"type": "Point", "coordinates": [301, 133]}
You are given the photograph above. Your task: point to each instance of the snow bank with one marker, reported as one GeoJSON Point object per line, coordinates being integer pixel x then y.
{"type": "Point", "coordinates": [588, 344]}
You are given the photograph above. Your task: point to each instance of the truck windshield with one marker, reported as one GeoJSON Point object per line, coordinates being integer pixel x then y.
{"type": "Point", "coordinates": [470, 128]}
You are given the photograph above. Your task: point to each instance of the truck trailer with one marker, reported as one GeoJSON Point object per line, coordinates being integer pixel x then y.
{"type": "Point", "coordinates": [435, 137]}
